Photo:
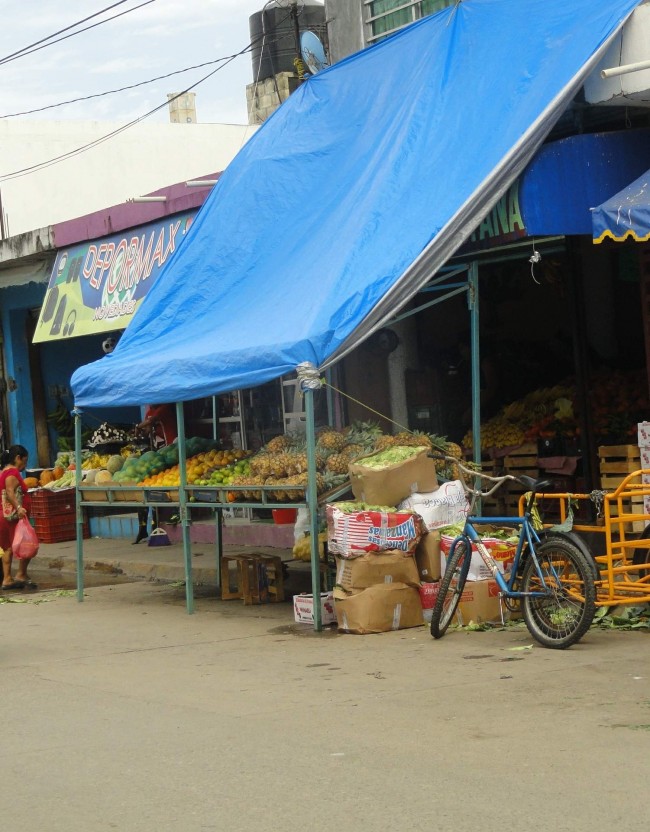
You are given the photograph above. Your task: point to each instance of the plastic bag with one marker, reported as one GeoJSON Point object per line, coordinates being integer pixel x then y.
{"type": "Point", "coordinates": [25, 543]}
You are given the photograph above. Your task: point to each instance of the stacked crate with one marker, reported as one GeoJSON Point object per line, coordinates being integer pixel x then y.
{"type": "Point", "coordinates": [54, 515]}
{"type": "Point", "coordinates": [616, 462]}
{"type": "Point", "coordinates": [521, 461]}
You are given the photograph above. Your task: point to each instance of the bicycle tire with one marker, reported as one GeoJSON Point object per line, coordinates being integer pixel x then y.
{"type": "Point", "coordinates": [562, 617]}
{"type": "Point", "coordinates": [577, 542]}
{"type": "Point", "coordinates": [451, 587]}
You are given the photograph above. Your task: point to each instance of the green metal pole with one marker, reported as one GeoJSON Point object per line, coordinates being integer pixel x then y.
{"type": "Point", "coordinates": [472, 300]}
{"type": "Point", "coordinates": [219, 544]}
{"type": "Point", "coordinates": [312, 505]}
{"type": "Point", "coordinates": [182, 499]}
{"type": "Point", "coordinates": [79, 509]}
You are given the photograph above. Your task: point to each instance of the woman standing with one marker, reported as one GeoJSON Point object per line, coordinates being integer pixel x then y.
{"type": "Point", "coordinates": [15, 506]}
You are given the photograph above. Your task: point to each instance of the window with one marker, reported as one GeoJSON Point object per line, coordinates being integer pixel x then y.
{"type": "Point", "coordinates": [387, 16]}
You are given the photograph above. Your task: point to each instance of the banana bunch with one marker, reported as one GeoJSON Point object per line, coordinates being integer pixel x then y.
{"type": "Point", "coordinates": [95, 461]}
{"type": "Point", "coordinates": [61, 420]}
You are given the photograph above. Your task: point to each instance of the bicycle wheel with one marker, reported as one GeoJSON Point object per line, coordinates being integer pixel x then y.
{"type": "Point", "coordinates": [564, 613]}
{"type": "Point", "coordinates": [451, 587]}
{"type": "Point", "coordinates": [577, 542]}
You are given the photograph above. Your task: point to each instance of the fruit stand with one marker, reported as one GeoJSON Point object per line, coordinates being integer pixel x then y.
{"type": "Point", "coordinates": [194, 474]}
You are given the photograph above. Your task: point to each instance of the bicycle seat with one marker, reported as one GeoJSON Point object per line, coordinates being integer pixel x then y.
{"type": "Point", "coordinates": [534, 485]}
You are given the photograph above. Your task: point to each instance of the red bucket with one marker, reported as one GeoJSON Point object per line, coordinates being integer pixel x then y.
{"type": "Point", "coordinates": [284, 516]}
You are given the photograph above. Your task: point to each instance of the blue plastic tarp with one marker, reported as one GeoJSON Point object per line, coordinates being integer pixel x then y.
{"type": "Point", "coordinates": [626, 215]}
{"type": "Point", "coordinates": [350, 197]}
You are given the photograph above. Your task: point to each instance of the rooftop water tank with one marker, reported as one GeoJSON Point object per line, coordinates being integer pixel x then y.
{"type": "Point", "coordinates": [273, 35]}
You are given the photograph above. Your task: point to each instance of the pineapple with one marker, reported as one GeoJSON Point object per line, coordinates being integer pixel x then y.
{"type": "Point", "coordinates": [331, 440]}
{"type": "Point", "coordinates": [412, 439]}
{"type": "Point", "coordinates": [353, 451]}
{"type": "Point", "coordinates": [384, 441]}
{"type": "Point", "coordinates": [363, 433]}
{"type": "Point", "coordinates": [260, 465]}
{"type": "Point", "coordinates": [337, 463]}
{"type": "Point", "coordinates": [452, 449]}
{"type": "Point", "coordinates": [278, 443]}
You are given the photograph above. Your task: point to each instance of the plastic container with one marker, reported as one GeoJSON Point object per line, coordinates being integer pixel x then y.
{"type": "Point", "coordinates": [284, 516]}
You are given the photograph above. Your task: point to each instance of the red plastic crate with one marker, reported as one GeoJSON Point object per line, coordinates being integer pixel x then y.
{"type": "Point", "coordinates": [58, 529]}
{"type": "Point", "coordinates": [48, 503]}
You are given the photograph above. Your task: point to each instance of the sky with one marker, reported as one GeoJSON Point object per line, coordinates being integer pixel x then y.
{"type": "Point", "coordinates": [161, 37]}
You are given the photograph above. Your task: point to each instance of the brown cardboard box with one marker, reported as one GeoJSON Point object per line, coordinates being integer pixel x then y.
{"type": "Point", "coordinates": [389, 486]}
{"type": "Point", "coordinates": [479, 602]}
{"type": "Point", "coordinates": [378, 609]}
{"type": "Point", "coordinates": [427, 557]}
{"type": "Point", "coordinates": [380, 568]}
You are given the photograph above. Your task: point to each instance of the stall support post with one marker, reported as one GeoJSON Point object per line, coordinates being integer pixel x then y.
{"type": "Point", "coordinates": [312, 503]}
{"type": "Point", "coordinates": [79, 509]}
{"type": "Point", "coordinates": [472, 300]}
{"type": "Point", "coordinates": [218, 514]}
{"type": "Point", "coordinates": [182, 499]}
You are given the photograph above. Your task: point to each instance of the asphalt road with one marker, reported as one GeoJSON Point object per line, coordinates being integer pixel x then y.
{"type": "Point", "coordinates": [126, 713]}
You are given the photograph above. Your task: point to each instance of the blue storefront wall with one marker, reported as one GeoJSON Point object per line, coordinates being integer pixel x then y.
{"type": "Point", "coordinates": [57, 360]}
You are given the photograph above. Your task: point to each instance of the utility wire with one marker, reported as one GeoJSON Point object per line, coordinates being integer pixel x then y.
{"type": "Point", "coordinates": [19, 53]}
{"type": "Point", "coordinates": [129, 86]}
{"type": "Point", "coordinates": [30, 51]}
{"type": "Point", "coordinates": [16, 174]}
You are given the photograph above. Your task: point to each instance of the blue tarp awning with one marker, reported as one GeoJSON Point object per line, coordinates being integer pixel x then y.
{"type": "Point", "coordinates": [351, 196]}
{"type": "Point", "coordinates": [626, 215]}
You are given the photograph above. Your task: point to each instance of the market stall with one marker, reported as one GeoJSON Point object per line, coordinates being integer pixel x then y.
{"type": "Point", "coordinates": [244, 299]}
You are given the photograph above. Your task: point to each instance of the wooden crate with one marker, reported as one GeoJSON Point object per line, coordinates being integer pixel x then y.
{"type": "Point", "coordinates": [616, 462]}
{"type": "Point", "coordinates": [258, 578]}
{"type": "Point", "coordinates": [523, 461]}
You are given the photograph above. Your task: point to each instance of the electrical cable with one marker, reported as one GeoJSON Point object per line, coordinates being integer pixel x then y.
{"type": "Point", "coordinates": [118, 89]}
{"type": "Point", "coordinates": [130, 86]}
{"type": "Point", "coordinates": [24, 51]}
{"type": "Point", "coordinates": [89, 145]}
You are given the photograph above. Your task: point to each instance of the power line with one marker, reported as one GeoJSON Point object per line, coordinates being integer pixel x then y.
{"type": "Point", "coordinates": [28, 50]}
{"type": "Point", "coordinates": [129, 86]}
{"type": "Point", "coordinates": [16, 174]}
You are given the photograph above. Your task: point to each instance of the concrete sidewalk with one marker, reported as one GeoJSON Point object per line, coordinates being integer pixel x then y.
{"type": "Point", "coordinates": [154, 563]}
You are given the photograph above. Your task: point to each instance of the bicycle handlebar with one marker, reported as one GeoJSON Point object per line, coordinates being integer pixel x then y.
{"type": "Point", "coordinates": [498, 481]}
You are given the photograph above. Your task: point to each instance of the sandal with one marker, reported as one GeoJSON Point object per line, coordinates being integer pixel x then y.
{"type": "Point", "coordinates": [13, 586]}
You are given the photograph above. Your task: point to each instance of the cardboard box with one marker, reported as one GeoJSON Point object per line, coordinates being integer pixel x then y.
{"type": "Point", "coordinates": [389, 486]}
{"type": "Point", "coordinates": [378, 609]}
{"type": "Point", "coordinates": [644, 457]}
{"type": "Point", "coordinates": [303, 608]}
{"type": "Point", "coordinates": [351, 535]}
{"type": "Point", "coordinates": [427, 557]}
{"type": "Point", "coordinates": [380, 568]}
{"type": "Point", "coordinates": [445, 506]}
{"type": "Point", "coordinates": [478, 571]}
{"type": "Point", "coordinates": [479, 602]}
{"type": "Point", "coordinates": [643, 432]}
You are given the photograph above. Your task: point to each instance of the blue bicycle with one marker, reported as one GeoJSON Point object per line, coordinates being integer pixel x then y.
{"type": "Point", "coordinates": [552, 576]}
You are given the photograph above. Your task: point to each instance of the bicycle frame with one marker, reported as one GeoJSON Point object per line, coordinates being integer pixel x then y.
{"type": "Point", "coordinates": [527, 536]}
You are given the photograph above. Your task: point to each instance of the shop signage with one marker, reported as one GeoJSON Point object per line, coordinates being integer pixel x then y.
{"type": "Point", "coordinates": [97, 286]}
{"type": "Point", "coordinates": [503, 224]}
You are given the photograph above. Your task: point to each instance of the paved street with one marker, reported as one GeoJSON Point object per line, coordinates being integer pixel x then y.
{"type": "Point", "coordinates": [126, 713]}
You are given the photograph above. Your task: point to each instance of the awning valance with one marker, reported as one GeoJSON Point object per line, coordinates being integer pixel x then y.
{"type": "Point", "coordinates": [626, 215]}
